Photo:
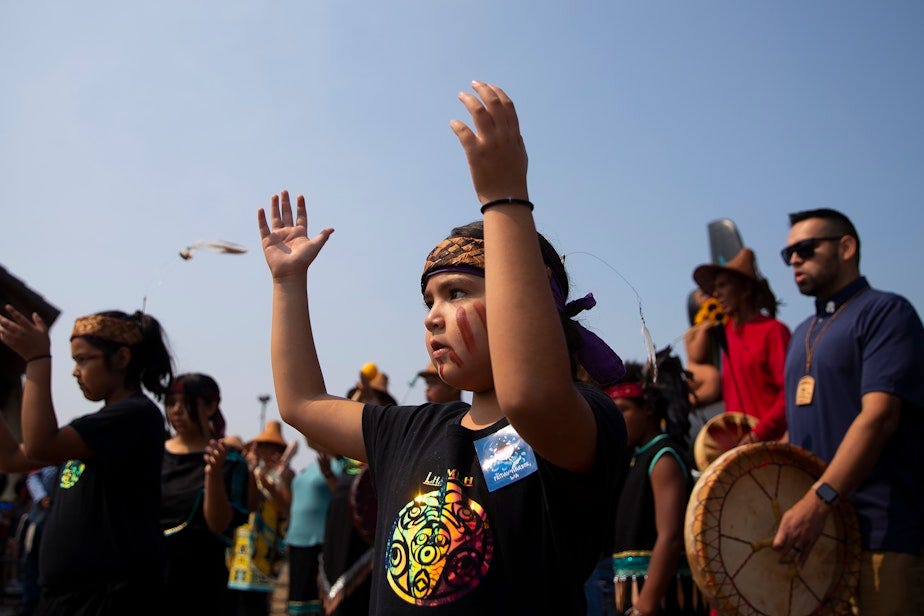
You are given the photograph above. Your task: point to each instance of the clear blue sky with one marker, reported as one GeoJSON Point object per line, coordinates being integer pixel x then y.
{"type": "Point", "coordinates": [128, 131]}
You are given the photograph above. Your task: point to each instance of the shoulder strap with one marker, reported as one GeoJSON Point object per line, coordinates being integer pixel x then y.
{"type": "Point", "coordinates": [185, 523]}
{"type": "Point", "coordinates": [675, 455]}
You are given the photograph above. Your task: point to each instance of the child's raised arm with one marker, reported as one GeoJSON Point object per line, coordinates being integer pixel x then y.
{"type": "Point", "coordinates": [335, 423]}
{"type": "Point", "coordinates": [529, 355]}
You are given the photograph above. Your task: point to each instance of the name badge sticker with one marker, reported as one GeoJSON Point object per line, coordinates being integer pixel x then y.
{"type": "Point", "coordinates": [505, 458]}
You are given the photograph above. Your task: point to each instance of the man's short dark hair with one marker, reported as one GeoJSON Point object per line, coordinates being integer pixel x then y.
{"type": "Point", "coordinates": [837, 222]}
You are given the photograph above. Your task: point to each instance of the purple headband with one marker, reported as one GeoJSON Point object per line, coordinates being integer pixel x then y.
{"type": "Point", "coordinates": [600, 361]}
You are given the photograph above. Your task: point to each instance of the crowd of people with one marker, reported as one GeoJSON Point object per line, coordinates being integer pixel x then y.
{"type": "Point", "coordinates": [560, 487]}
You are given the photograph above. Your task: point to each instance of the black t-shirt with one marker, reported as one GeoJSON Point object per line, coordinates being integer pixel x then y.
{"type": "Point", "coordinates": [446, 543]}
{"type": "Point", "coordinates": [103, 523]}
{"type": "Point", "coordinates": [183, 485]}
{"type": "Point", "coordinates": [196, 574]}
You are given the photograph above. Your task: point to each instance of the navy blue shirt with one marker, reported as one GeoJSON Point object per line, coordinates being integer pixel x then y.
{"type": "Point", "coordinates": [875, 343]}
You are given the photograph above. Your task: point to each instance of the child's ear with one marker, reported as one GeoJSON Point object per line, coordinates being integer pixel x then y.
{"type": "Point", "coordinates": [122, 358]}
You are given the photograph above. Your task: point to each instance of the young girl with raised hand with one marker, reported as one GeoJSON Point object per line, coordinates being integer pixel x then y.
{"type": "Point", "coordinates": [203, 498]}
{"type": "Point", "coordinates": [500, 506]}
{"type": "Point", "coordinates": [101, 550]}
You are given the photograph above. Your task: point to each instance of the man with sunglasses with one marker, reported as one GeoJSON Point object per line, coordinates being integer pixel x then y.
{"type": "Point", "coordinates": [854, 387]}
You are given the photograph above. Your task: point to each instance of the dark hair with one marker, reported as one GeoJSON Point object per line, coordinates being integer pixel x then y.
{"type": "Point", "coordinates": [193, 387]}
{"type": "Point", "coordinates": [764, 297]}
{"type": "Point", "coordinates": [552, 260]}
{"type": "Point", "coordinates": [151, 364]}
{"type": "Point", "coordinates": [669, 397]}
{"type": "Point", "coordinates": [837, 222]}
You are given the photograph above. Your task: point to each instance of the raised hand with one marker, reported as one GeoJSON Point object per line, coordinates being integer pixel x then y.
{"type": "Point", "coordinates": [29, 338]}
{"type": "Point", "coordinates": [216, 453]}
{"type": "Point", "coordinates": [496, 153]}
{"type": "Point", "coordinates": [287, 248]}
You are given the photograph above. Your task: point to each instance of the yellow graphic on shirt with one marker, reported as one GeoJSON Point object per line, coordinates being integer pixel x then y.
{"type": "Point", "coordinates": [440, 548]}
{"type": "Point", "coordinates": [71, 473]}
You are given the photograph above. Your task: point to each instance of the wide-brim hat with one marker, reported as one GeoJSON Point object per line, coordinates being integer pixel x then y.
{"type": "Point", "coordinates": [430, 370]}
{"type": "Point", "coordinates": [272, 434]}
{"type": "Point", "coordinates": [380, 384]}
{"type": "Point", "coordinates": [743, 264]}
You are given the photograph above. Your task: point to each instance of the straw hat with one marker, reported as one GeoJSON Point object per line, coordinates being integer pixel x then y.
{"type": "Point", "coordinates": [272, 434]}
{"type": "Point", "coordinates": [380, 384]}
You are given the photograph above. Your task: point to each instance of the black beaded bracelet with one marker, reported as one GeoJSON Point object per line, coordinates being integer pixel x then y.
{"type": "Point", "coordinates": [508, 201]}
{"type": "Point", "coordinates": [37, 357]}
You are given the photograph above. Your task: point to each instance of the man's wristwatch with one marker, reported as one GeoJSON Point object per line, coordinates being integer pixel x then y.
{"type": "Point", "coordinates": [826, 493]}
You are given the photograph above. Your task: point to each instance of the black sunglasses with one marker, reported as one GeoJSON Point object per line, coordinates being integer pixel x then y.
{"type": "Point", "coordinates": [806, 248]}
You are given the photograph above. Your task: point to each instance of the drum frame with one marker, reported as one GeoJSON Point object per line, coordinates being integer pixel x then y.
{"type": "Point", "coordinates": [703, 533]}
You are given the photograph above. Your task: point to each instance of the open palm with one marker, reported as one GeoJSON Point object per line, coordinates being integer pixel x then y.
{"type": "Point", "coordinates": [287, 248]}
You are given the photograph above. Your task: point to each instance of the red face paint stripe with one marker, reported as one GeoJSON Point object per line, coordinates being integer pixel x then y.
{"type": "Point", "coordinates": [465, 329]}
{"type": "Point", "coordinates": [480, 311]}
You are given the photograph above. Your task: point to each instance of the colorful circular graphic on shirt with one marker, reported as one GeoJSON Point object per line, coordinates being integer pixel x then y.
{"type": "Point", "coordinates": [441, 547]}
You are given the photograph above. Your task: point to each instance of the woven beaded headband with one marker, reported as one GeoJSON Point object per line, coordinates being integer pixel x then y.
{"type": "Point", "coordinates": [115, 330]}
{"type": "Point", "coordinates": [454, 253]}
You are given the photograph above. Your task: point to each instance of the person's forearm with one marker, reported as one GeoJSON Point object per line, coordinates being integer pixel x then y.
{"type": "Point", "coordinates": [529, 354]}
{"type": "Point", "coordinates": [530, 360]}
{"type": "Point", "coordinates": [39, 423]}
{"type": "Point", "coordinates": [334, 422]}
{"type": "Point", "coordinates": [296, 369]}
{"type": "Point", "coordinates": [662, 572]}
{"type": "Point", "coordinates": [707, 382]}
{"type": "Point", "coordinates": [698, 343]}
{"type": "Point", "coordinates": [863, 443]}
{"type": "Point", "coordinates": [216, 506]}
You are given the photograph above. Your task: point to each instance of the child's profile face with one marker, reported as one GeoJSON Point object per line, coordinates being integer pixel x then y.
{"type": "Point", "coordinates": [729, 290]}
{"type": "Point", "coordinates": [94, 376]}
{"type": "Point", "coordinates": [637, 420]}
{"type": "Point", "coordinates": [456, 330]}
{"type": "Point", "coordinates": [268, 453]}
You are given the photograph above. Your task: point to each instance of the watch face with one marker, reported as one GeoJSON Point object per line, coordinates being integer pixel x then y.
{"type": "Point", "coordinates": [826, 493]}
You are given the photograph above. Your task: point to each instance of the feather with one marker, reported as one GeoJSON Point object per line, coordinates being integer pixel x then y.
{"type": "Point", "coordinates": [218, 246]}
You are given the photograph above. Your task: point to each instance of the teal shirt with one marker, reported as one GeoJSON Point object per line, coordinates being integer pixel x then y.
{"type": "Point", "coordinates": [310, 498]}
